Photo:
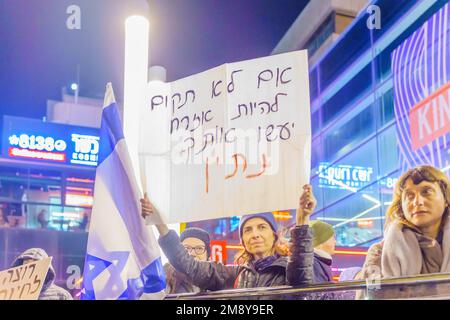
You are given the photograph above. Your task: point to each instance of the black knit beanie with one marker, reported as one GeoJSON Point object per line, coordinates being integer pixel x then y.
{"type": "Point", "coordinates": [199, 234]}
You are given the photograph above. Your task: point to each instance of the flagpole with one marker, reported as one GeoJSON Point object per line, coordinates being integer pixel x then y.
{"type": "Point", "coordinates": [156, 76]}
{"type": "Point", "coordinates": [135, 82]}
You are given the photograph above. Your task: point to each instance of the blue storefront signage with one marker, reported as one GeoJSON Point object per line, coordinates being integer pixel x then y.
{"type": "Point", "coordinates": [344, 176]}
{"type": "Point", "coordinates": [39, 141]}
{"type": "Point", "coordinates": [389, 183]}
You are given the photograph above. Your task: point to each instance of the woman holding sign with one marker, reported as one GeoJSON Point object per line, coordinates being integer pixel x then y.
{"type": "Point", "coordinates": [261, 264]}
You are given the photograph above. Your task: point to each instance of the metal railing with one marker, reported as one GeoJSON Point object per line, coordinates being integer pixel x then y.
{"type": "Point", "coordinates": [430, 286]}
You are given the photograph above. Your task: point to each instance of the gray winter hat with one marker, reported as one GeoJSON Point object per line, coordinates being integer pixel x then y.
{"type": "Point", "coordinates": [268, 216]}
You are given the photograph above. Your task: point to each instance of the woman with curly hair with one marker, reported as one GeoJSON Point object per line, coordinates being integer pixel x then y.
{"type": "Point", "coordinates": [417, 237]}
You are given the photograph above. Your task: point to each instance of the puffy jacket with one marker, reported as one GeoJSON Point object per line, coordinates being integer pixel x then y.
{"type": "Point", "coordinates": [323, 274]}
{"type": "Point", "coordinates": [295, 270]}
{"type": "Point", "coordinates": [49, 291]}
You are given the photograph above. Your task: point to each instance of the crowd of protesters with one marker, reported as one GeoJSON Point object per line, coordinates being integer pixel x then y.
{"type": "Point", "coordinates": [416, 241]}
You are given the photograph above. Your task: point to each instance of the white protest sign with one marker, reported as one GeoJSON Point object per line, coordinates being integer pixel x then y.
{"type": "Point", "coordinates": [232, 140]}
{"type": "Point", "coordinates": [24, 282]}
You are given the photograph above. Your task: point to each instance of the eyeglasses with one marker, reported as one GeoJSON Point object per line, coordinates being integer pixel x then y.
{"type": "Point", "coordinates": [198, 249]}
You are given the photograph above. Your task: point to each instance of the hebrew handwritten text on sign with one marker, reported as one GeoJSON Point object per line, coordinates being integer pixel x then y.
{"type": "Point", "coordinates": [24, 282]}
{"type": "Point", "coordinates": [232, 140]}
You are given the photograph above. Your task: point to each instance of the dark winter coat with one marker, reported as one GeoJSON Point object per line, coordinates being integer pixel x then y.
{"type": "Point", "coordinates": [322, 269]}
{"type": "Point", "coordinates": [295, 270]}
{"type": "Point", "coordinates": [324, 275]}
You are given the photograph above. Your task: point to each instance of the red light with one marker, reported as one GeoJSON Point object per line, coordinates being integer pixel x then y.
{"type": "Point", "coordinates": [351, 252]}
{"type": "Point", "coordinates": [367, 224]}
{"type": "Point", "coordinates": [80, 180]}
{"type": "Point", "coordinates": [38, 155]}
{"type": "Point", "coordinates": [282, 215]}
{"type": "Point", "coordinates": [438, 99]}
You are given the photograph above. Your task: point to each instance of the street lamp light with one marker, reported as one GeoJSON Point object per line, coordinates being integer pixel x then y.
{"type": "Point", "coordinates": [135, 82]}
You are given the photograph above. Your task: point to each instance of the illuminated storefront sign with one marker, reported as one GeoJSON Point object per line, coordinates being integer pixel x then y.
{"type": "Point", "coordinates": [39, 155]}
{"type": "Point", "coordinates": [343, 176]}
{"type": "Point", "coordinates": [79, 200]}
{"type": "Point", "coordinates": [365, 224]}
{"type": "Point", "coordinates": [50, 142]}
{"type": "Point", "coordinates": [389, 182]}
{"type": "Point", "coordinates": [219, 251]}
{"type": "Point", "coordinates": [86, 149]}
{"type": "Point", "coordinates": [430, 118]}
{"type": "Point", "coordinates": [36, 147]}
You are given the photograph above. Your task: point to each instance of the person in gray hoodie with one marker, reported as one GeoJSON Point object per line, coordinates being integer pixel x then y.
{"type": "Point", "coordinates": [49, 291]}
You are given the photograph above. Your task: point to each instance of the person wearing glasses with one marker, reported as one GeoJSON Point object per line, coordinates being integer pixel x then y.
{"type": "Point", "coordinates": [260, 265]}
{"type": "Point", "coordinates": [197, 244]}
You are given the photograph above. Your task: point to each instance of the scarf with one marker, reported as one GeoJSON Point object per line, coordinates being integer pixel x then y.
{"type": "Point", "coordinates": [263, 263]}
{"type": "Point", "coordinates": [407, 252]}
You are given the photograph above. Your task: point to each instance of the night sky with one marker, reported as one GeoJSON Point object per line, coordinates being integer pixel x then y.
{"type": "Point", "coordinates": [39, 55]}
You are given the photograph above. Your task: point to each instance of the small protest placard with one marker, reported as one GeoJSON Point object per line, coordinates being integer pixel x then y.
{"type": "Point", "coordinates": [24, 282]}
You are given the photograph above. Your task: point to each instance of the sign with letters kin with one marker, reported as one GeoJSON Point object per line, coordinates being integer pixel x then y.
{"type": "Point", "coordinates": [430, 118]}
{"type": "Point", "coordinates": [421, 79]}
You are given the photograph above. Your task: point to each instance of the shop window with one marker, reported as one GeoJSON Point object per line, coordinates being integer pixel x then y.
{"type": "Point", "coordinates": [321, 35]}
{"type": "Point", "coordinates": [316, 155]}
{"type": "Point", "coordinates": [315, 123]}
{"type": "Point", "coordinates": [357, 219]}
{"type": "Point", "coordinates": [350, 174]}
{"type": "Point", "coordinates": [388, 151]}
{"type": "Point", "coordinates": [386, 107]}
{"type": "Point", "coordinates": [347, 95]}
{"type": "Point", "coordinates": [340, 140]}
{"type": "Point", "coordinates": [44, 186]}
{"type": "Point", "coordinates": [79, 190]}
{"type": "Point", "coordinates": [313, 85]}
{"type": "Point", "coordinates": [355, 43]}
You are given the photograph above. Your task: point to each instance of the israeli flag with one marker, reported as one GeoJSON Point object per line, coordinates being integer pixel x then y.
{"type": "Point", "coordinates": [123, 258]}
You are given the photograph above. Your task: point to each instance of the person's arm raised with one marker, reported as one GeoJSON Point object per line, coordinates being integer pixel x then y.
{"type": "Point", "coordinates": [204, 274]}
{"type": "Point", "coordinates": [300, 269]}
{"type": "Point", "coordinates": [307, 204]}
